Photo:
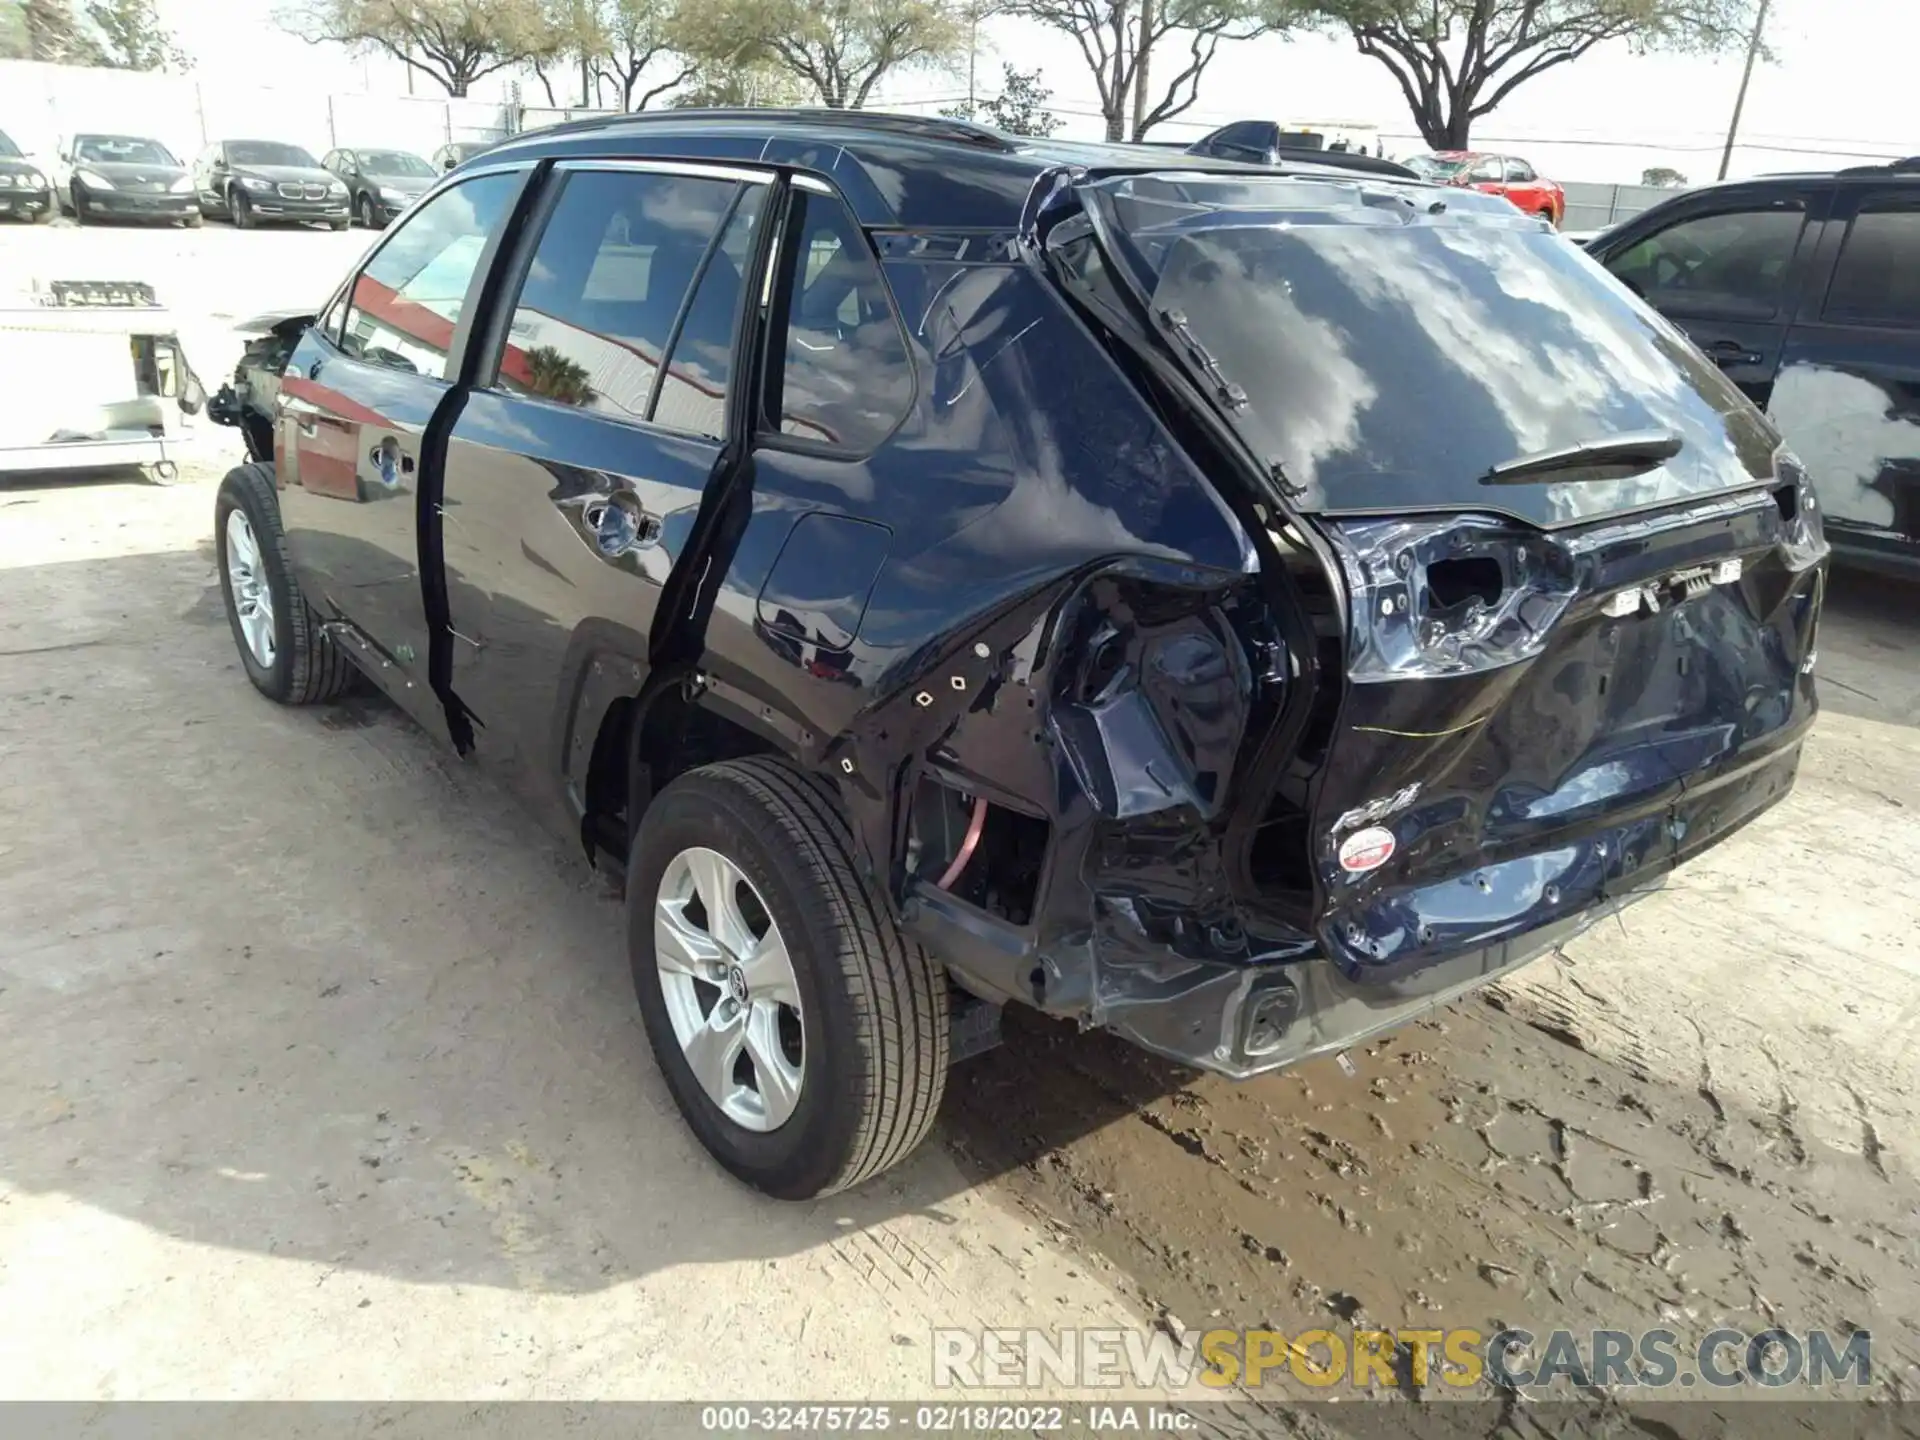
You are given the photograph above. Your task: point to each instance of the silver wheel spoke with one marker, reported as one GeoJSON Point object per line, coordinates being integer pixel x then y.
{"type": "Point", "coordinates": [769, 970]}
{"type": "Point", "coordinates": [719, 884]}
{"type": "Point", "coordinates": [681, 947]}
{"type": "Point", "coordinates": [774, 1076]}
{"type": "Point", "coordinates": [713, 1048]}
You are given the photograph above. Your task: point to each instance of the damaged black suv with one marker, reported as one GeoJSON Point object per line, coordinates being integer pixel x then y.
{"type": "Point", "coordinates": [1241, 608]}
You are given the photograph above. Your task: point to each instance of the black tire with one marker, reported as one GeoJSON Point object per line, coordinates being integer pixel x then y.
{"type": "Point", "coordinates": [307, 666]}
{"type": "Point", "coordinates": [363, 211]}
{"type": "Point", "coordinates": [195, 220]}
{"type": "Point", "coordinates": [241, 209]}
{"type": "Point", "coordinates": [80, 216]}
{"type": "Point", "coordinates": [875, 1004]}
{"type": "Point", "coordinates": [339, 224]}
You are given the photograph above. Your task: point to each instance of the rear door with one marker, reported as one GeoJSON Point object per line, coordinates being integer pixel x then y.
{"type": "Point", "coordinates": [356, 403]}
{"type": "Point", "coordinates": [1726, 268]}
{"type": "Point", "coordinates": [1848, 394]}
{"type": "Point", "coordinates": [577, 465]}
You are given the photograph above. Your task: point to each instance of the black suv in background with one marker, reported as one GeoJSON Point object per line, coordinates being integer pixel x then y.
{"type": "Point", "coordinates": [252, 181]}
{"type": "Point", "coordinates": [1805, 290]}
{"type": "Point", "coordinates": [1244, 609]}
{"type": "Point", "coordinates": [380, 183]}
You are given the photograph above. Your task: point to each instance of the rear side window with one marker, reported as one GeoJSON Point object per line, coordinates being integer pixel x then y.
{"type": "Point", "coordinates": [1877, 281]}
{"type": "Point", "coordinates": [404, 307]}
{"type": "Point", "coordinates": [846, 380]}
{"type": "Point", "coordinates": [611, 272]}
{"type": "Point", "coordinates": [1730, 265]}
{"type": "Point", "coordinates": [1519, 172]}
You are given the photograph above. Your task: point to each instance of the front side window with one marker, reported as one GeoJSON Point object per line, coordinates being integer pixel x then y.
{"type": "Point", "coordinates": [1731, 264]}
{"type": "Point", "coordinates": [405, 305]}
{"type": "Point", "coordinates": [846, 380]}
{"type": "Point", "coordinates": [613, 266]}
{"type": "Point", "coordinates": [1877, 280]}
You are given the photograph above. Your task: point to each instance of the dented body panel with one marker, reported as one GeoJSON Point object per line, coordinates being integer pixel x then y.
{"type": "Point", "coordinates": [1130, 724]}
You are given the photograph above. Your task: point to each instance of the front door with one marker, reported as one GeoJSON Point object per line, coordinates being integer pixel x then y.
{"type": "Point", "coordinates": [355, 404]}
{"type": "Point", "coordinates": [578, 462]}
{"type": "Point", "coordinates": [1727, 271]}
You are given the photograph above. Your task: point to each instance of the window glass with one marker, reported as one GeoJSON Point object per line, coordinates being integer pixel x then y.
{"type": "Point", "coordinates": [846, 380]}
{"type": "Point", "coordinates": [1878, 278]}
{"type": "Point", "coordinates": [122, 150]}
{"type": "Point", "coordinates": [693, 395]}
{"type": "Point", "coordinates": [1519, 172]}
{"type": "Point", "coordinates": [268, 152]}
{"type": "Point", "coordinates": [406, 303]}
{"type": "Point", "coordinates": [598, 304]}
{"type": "Point", "coordinates": [1731, 264]}
{"type": "Point", "coordinates": [1487, 170]}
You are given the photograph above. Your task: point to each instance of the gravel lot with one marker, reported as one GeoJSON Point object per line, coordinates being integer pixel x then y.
{"type": "Point", "coordinates": [322, 1075]}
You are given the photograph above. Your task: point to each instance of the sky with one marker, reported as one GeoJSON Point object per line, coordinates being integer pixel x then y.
{"type": "Point", "coordinates": [1841, 91]}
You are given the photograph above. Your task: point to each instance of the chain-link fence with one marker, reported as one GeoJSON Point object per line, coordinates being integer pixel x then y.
{"type": "Point", "coordinates": [43, 103]}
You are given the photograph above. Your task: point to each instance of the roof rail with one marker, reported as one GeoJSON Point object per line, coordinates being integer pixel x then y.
{"type": "Point", "coordinates": [921, 127]}
{"type": "Point", "coordinates": [1908, 166]}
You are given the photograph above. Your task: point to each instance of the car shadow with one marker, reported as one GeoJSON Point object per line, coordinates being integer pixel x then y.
{"type": "Point", "coordinates": [1867, 637]}
{"type": "Point", "coordinates": [296, 982]}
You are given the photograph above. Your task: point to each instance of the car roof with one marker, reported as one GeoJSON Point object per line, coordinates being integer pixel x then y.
{"type": "Point", "coordinates": [907, 171]}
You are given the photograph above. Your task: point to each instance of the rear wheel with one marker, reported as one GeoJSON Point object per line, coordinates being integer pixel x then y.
{"type": "Point", "coordinates": [195, 220]}
{"type": "Point", "coordinates": [803, 1035]}
{"type": "Point", "coordinates": [286, 655]}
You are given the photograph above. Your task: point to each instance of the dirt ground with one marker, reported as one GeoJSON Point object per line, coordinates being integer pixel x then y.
{"type": "Point", "coordinates": [320, 1073]}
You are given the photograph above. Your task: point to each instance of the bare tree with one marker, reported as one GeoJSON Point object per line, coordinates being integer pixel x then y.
{"type": "Point", "coordinates": [638, 37]}
{"type": "Point", "coordinates": [455, 42]}
{"type": "Point", "coordinates": [1119, 39]}
{"type": "Point", "coordinates": [1455, 60]}
{"type": "Point", "coordinates": [840, 48]}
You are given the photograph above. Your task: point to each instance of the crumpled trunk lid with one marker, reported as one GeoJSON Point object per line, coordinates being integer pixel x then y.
{"type": "Point", "coordinates": [1537, 725]}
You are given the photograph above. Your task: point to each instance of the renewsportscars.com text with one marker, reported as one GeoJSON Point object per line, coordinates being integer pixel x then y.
{"type": "Point", "coordinates": [1660, 1358]}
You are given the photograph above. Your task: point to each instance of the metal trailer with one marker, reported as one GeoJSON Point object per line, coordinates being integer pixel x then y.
{"type": "Point", "coordinates": [95, 378]}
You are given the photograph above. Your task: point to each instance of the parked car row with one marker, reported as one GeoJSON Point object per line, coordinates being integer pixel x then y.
{"type": "Point", "coordinates": [247, 182]}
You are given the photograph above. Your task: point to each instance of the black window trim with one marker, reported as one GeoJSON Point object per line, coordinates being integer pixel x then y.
{"type": "Point", "coordinates": [777, 292]}
{"type": "Point", "coordinates": [1706, 207]}
{"type": "Point", "coordinates": [491, 343]}
{"type": "Point", "coordinates": [462, 342]}
{"type": "Point", "coordinates": [1902, 198]}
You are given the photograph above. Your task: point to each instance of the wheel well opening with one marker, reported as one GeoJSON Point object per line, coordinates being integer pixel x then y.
{"type": "Point", "coordinates": [639, 751]}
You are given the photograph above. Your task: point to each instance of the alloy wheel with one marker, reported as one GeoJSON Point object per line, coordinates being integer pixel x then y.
{"type": "Point", "coordinates": [252, 594]}
{"type": "Point", "coordinates": [730, 989]}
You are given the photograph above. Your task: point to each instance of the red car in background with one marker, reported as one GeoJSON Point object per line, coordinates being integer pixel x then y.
{"type": "Point", "coordinates": [1506, 175]}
